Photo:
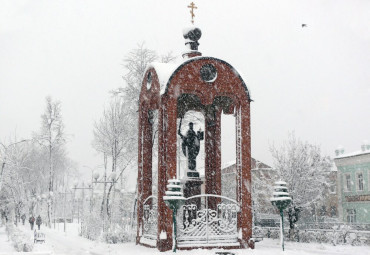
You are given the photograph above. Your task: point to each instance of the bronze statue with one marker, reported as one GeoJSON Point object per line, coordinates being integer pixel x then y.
{"type": "Point", "coordinates": [191, 145]}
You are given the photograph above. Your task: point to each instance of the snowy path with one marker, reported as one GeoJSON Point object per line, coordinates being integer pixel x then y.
{"type": "Point", "coordinates": [272, 246]}
{"type": "Point", "coordinates": [5, 244]}
{"type": "Point", "coordinates": [59, 243]}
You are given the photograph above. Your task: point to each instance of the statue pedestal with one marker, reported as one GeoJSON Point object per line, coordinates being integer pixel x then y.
{"type": "Point", "coordinates": [192, 187]}
{"type": "Point", "coordinates": [192, 174]}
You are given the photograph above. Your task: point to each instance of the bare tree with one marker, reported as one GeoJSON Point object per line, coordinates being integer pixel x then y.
{"type": "Point", "coordinates": [112, 132]}
{"type": "Point", "coordinates": [113, 135]}
{"type": "Point", "coordinates": [301, 165]}
{"type": "Point", "coordinates": [21, 177]}
{"type": "Point", "coordinates": [135, 63]}
{"type": "Point", "coordinates": [51, 137]}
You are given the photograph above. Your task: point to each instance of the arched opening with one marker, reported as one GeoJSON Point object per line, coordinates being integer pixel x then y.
{"type": "Point", "coordinates": [197, 118]}
{"type": "Point", "coordinates": [153, 115]}
{"type": "Point", "coordinates": [228, 156]}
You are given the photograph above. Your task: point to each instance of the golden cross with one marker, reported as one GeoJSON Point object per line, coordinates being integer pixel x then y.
{"type": "Point", "coordinates": [192, 6]}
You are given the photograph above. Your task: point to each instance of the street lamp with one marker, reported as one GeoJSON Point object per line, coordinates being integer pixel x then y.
{"type": "Point", "coordinates": [113, 180]}
{"type": "Point", "coordinates": [174, 199]}
{"type": "Point", "coordinates": [281, 200]}
{"type": "Point", "coordinates": [60, 191]}
{"type": "Point", "coordinates": [75, 187]}
{"type": "Point", "coordinates": [96, 176]}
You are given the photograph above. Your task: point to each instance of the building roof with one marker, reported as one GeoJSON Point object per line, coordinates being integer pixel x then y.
{"type": "Point", "coordinates": [255, 165]}
{"type": "Point", "coordinates": [352, 154]}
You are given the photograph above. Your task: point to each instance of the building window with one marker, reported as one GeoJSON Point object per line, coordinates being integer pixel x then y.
{"type": "Point", "coordinates": [348, 182]}
{"type": "Point", "coordinates": [351, 215]}
{"type": "Point", "coordinates": [323, 210]}
{"type": "Point", "coordinates": [333, 188]}
{"type": "Point", "coordinates": [360, 181]}
{"type": "Point", "coordinates": [333, 211]}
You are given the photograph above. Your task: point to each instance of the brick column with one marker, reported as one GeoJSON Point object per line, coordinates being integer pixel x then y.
{"type": "Point", "coordinates": [213, 155]}
{"type": "Point", "coordinates": [167, 154]}
{"type": "Point", "coordinates": [246, 178]}
{"type": "Point", "coordinates": [139, 180]}
{"type": "Point", "coordinates": [147, 155]}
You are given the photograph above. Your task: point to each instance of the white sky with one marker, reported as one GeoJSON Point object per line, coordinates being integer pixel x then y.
{"type": "Point", "coordinates": [314, 80]}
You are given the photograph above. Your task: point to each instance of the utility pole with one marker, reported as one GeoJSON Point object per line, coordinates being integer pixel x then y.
{"type": "Point", "coordinates": [64, 208]}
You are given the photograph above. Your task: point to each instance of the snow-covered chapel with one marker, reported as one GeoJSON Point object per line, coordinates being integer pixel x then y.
{"type": "Point", "coordinates": [210, 86]}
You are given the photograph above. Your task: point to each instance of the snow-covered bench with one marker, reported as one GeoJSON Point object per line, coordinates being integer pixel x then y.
{"type": "Point", "coordinates": [39, 237]}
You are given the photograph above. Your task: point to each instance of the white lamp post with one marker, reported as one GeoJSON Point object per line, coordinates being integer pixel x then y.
{"type": "Point", "coordinates": [281, 199]}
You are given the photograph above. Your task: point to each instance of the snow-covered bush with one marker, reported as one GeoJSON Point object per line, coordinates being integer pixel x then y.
{"type": "Point", "coordinates": [341, 234]}
{"type": "Point", "coordinates": [116, 237]}
{"type": "Point", "coordinates": [323, 237]}
{"type": "Point", "coordinates": [319, 236]}
{"type": "Point", "coordinates": [307, 236]}
{"type": "Point", "coordinates": [92, 226]}
{"type": "Point", "coordinates": [275, 233]}
{"type": "Point", "coordinates": [257, 231]}
{"type": "Point", "coordinates": [20, 240]}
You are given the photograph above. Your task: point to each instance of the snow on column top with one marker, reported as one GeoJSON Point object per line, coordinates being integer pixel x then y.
{"type": "Point", "coordinates": [280, 183]}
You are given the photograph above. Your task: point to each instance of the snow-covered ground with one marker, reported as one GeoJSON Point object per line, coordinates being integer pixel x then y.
{"type": "Point", "coordinates": [5, 244]}
{"type": "Point", "coordinates": [60, 243]}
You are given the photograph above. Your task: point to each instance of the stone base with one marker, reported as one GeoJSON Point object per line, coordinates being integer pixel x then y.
{"type": "Point", "coordinates": [192, 174]}
{"type": "Point", "coordinates": [192, 187]}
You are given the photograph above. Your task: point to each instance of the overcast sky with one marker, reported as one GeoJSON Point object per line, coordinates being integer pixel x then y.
{"type": "Point", "coordinates": [313, 80]}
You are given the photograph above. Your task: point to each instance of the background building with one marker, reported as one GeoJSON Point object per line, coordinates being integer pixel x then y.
{"type": "Point", "coordinates": [354, 184]}
{"type": "Point", "coordinates": [263, 178]}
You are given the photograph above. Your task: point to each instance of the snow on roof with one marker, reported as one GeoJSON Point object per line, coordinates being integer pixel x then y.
{"type": "Point", "coordinates": [352, 154]}
{"type": "Point", "coordinates": [229, 163]}
{"type": "Point", "coordinates": [257, 166]}
{"type": "Point", "coordinates": [241, 74]}
{"type": "Point", "coordinates": [164, 72]}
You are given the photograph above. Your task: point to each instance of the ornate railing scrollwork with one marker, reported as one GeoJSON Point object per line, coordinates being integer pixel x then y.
{"type": "Point", "coordinates": [150, 216]}
{"type": "Point", "coordinates": [204, 224]}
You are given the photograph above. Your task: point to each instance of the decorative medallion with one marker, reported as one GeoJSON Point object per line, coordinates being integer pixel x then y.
{"type": "Point", "coordinates": [208, 73]}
